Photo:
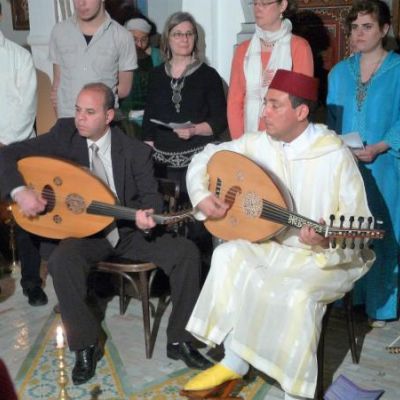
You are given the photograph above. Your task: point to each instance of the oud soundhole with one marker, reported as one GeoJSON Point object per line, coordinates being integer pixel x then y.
{"type": "Point", "coordinates": [75, 203]}
{"type": "Point", "coordinates": [49, 195]}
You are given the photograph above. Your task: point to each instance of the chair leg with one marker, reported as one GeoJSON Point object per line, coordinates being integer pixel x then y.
{"type": "Point", "coordinates": [121, 295]}
{"type": "Point", "coordinates": [144, 295]}
{"type": "Point", "coordinates": [348, 304]}
{"type": "Point", "coordinates": [319, 391]}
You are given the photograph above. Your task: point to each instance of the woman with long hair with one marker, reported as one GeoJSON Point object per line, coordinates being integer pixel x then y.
{"type": "Point", "coordinates": [183, 89]}
{"type": "Point", "coordinates": [189, 94]}
{"type": "Point", "coordinates": [364, 97]}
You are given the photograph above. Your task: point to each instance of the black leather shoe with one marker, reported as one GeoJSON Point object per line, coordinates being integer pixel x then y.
{"type": "Point", "coordinates": [85, 364]}
{"type": "Point", "coordinates": [36, 296]}
{"type": "Point", "coordinates": [188, 354]}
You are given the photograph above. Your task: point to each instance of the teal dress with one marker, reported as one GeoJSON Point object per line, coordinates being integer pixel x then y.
{"type": "Point", "coordinates": [373, 110]}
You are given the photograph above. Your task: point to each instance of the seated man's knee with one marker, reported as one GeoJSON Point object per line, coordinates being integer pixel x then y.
{"type": "Point", "coordinates": [64, 253]}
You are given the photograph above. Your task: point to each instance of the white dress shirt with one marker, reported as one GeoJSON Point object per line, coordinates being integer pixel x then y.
{"type": "Point", "coordinates": [17, 92]}
{"type": "Point", "coordinates": [104, 145]}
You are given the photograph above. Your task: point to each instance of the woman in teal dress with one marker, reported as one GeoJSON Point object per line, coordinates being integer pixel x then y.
{"type": "Point", "coordinates": [364, 97]}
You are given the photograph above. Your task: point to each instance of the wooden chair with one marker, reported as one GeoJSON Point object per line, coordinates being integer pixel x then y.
{"type": "Point", "coordinates": [348, 306]}
{"type": "Point", "coordinates": [136, 277]}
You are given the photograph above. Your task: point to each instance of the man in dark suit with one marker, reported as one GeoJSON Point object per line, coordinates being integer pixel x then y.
{"type": "Point", "coordinates": [127, 167]}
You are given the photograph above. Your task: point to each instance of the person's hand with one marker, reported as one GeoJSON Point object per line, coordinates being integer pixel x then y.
{"type": "Point", "coordinates": [212, 207]}
{"type": "Point", "coordinates": [310, 237]}
{"type": "Point", "coordinates": [53, 97]}
{"type": "Point", "coordinates": [186, 133]}
{"type": "Point", "coordinates": [144, 219]}
{"type": "Point", "coordinates": [370, 152]}
{"type": "Point", "coordinates": [30, 202]}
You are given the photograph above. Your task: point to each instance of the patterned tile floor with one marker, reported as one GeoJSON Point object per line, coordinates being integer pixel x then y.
{"type": "Point", "coordinates": [20, 325]}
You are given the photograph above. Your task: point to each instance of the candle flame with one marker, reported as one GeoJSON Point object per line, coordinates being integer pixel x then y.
{"type": "Point", "coordinates": [60, 337]}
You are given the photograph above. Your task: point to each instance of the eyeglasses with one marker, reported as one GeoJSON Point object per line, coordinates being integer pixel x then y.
{"type": "Point", "coordinates": [263, 4]}
{"type": "Point", "coordinates": [180, 35]}
{"type": "Point", "coordinates": [143, 40]}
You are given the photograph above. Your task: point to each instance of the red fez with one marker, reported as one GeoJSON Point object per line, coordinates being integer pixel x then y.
{"type": "Point", "coordinates": [296, 84]}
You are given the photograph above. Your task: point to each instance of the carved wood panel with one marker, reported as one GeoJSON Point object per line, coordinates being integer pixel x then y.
{"type": "Point", "coordinates": [396, 17]}
{"type": "Point", "coordinates": [328, 14]}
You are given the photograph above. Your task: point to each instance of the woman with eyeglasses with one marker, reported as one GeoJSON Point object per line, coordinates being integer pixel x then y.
{"type": "Point", "coordinates": [364, 97]}
{"type": "Point", "coordinates": [255, 61]}
{"type": "Point", "coordinates": [188, 93]}
{"type": "Point", "coordinates": [183, 91]}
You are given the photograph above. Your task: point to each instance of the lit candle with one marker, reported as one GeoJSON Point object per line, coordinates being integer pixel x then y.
{"type": "Point", "coordinates": [60, 337]}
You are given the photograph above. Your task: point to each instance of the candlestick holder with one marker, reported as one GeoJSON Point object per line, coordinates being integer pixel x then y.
{"type": "Point", "coordinates": [13, 245]}
{"type": "Point", "coordinates": [62, 374]}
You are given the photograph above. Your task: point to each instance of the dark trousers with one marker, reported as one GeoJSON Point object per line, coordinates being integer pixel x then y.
{"type": "Point", "coordinates": [70, 263]}
{"type": "Point", "coordinates": [28, 247]}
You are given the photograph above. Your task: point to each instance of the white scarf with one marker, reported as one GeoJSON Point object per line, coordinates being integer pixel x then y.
{"type": "Point", "coordinates": [281, 58]}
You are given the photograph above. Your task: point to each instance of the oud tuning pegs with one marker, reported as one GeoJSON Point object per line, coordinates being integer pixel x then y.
{"type": "Point", "coordinates": [360, 222]}
{"type": "Point", "coordinates": [352, 243]}
{"type": "Point", "coordinates": [332, 219]}
{"type": "Point", "coordinates": [342, 218]}
{"type": "Point", "coordinates": [393, 349]}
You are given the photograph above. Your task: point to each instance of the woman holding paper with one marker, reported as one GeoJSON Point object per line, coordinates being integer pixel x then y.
{"type": "Point", "coordinates": [188, 95]}
{"type": "Point", "coordinates": [364, 97]}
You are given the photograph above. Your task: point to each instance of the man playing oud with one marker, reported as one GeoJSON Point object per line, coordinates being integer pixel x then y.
{"type": "Point", "coordinates": [265, 301]}
{"type": "Point", "coordinates": [125, 166]}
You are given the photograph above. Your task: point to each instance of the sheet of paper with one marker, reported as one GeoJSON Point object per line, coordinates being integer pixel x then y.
{"type": "Point", "coordinates": [173, 125]}
{"type": "Point", "coordinates": [353, 140]}
{"type": "Point", "coordinates": [135, 114]}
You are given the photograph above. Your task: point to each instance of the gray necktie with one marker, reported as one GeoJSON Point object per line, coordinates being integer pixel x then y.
{"type": "Point", "coordinates": [99, 170]}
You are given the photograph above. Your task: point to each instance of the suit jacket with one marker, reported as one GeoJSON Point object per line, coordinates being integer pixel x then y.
{"type": "Point", "coordinates": [131, 161]}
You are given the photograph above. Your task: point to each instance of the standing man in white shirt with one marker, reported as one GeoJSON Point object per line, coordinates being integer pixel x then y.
{"type": "Point", "coordinates": [89, 47]}
{"type": "Point", "coordinates": [17, 92]}
{"type": "Point", "coordinates": [17, 116]}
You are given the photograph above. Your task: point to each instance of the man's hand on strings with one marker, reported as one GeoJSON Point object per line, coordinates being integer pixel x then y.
{"type": "Point", "coordinates": [310, 237]}
{"type": "Point", "coordinates": [213, 207]}
{"type": "Point", "coordinates": [30, 202]}
{"type": "Point", "coordinates": [144, 219]}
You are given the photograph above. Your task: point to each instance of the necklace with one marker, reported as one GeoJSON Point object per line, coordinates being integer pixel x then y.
{"type": "Point", "coordinates": [177, 86]}
{"type": "Point", "coordinates": [362, 87]}
{"type": "Point", "coordinates": [268, 44]}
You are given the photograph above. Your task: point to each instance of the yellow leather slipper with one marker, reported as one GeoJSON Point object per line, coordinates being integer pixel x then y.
{"type": "Point", "coordinates": [211, 377]}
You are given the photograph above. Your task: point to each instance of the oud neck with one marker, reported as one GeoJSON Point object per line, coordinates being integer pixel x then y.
{"type": "Point", "coordinates": [297, 221]}
{"type": "Point", "coordinates": [121, 212]}
{"type": "Point", "coordinates": [111, 210]}
{"type": "Point", "coordinates": [278, 214]}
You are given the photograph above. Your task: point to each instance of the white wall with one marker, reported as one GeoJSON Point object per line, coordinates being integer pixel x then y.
{"type": "Point", "coordinates": [160, 10]}
{"type": "Point", "coordinates": [6, 27]}
{"type": "Point", "coordinates": [42, 19]}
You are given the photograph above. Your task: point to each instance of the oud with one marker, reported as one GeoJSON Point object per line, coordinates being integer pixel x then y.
{"type": "Point", "coordinates": [78, 203]}
{"type": "Point", "coordinates": [260, 208]}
